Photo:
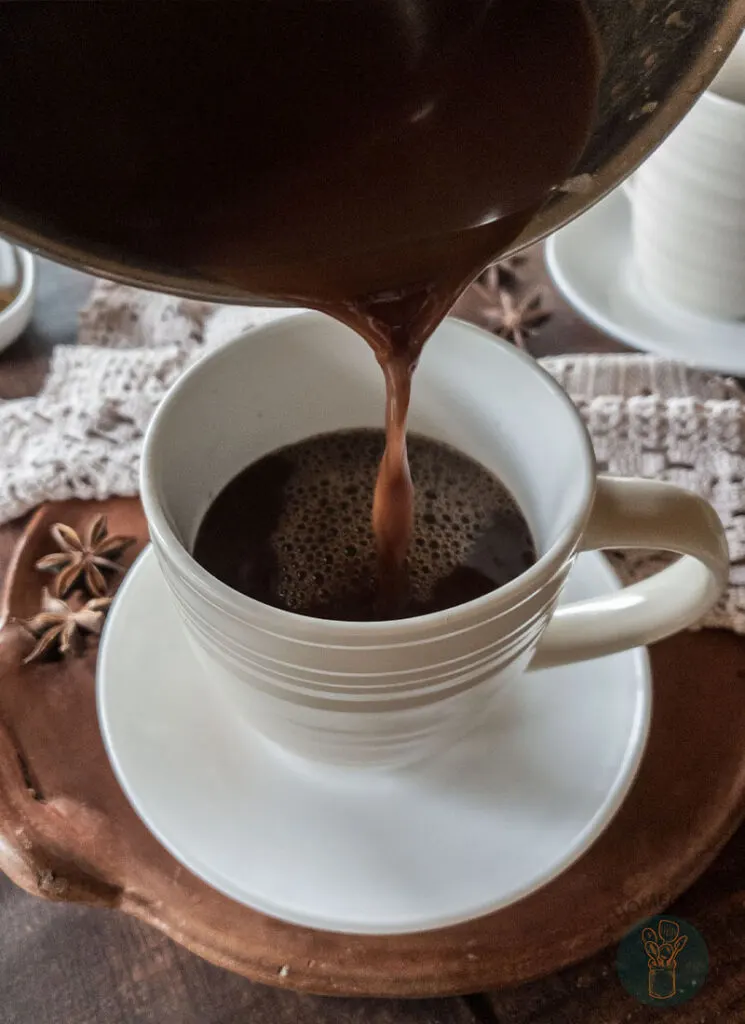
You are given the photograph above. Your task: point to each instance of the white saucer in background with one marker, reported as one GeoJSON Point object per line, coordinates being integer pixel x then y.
{"type": "Point", "coordinates": [360, 851]}
{"type": "Point", "coordinates": [590, 262]}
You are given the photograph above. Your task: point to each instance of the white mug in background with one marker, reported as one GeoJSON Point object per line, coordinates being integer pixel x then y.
{"type": "Point", "coordinates": [386, 693]}
{"type": "Point", "coordinates": [688, 205]}
{"type": "Point", "coordinates": [730, 80]}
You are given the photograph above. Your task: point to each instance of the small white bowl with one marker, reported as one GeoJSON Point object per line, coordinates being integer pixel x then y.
{"type": "Point", "coordinates": [15, 317]}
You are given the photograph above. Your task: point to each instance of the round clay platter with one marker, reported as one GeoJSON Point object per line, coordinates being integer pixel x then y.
{"type": "Point", "coordinates": [68, 832]}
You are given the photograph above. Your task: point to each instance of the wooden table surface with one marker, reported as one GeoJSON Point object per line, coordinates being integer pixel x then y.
{"type": "Point", "coordinates": [75, 965]}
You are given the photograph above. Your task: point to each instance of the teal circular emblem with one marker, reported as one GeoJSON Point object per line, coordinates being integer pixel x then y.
{"type": "Point", "coordinates": [663, 961]}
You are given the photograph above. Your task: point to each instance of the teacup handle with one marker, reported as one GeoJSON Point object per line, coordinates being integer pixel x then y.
{"type": "Point", "coordinates": [630, 513]}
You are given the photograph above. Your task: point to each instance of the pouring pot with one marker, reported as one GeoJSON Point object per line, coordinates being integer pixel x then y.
{"type": "Point", "coordinates": [657, 56]}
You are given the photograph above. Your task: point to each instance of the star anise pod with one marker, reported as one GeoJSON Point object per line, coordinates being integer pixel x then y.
{"type": "Point", "coordinates": [84, 557]}
{"type": "Point", "coordinates": [59, 624]}
{"type": "Point", "coordinates": [514, 319]}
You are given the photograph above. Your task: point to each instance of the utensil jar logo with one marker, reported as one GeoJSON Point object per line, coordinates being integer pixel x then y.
{"type": "Point", "coordinates": [663, 961]}
{"type": "Point", "coordinates": [663, 947]}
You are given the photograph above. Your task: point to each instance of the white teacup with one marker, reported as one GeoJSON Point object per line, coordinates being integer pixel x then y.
{"type": "Point", "coordinates": [385, 693]}
{"type": "Point", "coordinates": [688, 204]}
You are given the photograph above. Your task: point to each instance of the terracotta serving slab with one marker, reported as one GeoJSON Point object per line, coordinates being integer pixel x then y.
{"type": "Point", "coordinates": [68, 833]}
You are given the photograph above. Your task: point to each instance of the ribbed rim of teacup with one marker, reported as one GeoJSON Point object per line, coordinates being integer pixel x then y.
{"type": "Point", "coordinates": [392, 630]}
{"type": "Point", "coordinates": [188, 593]}
{"type": "Point", "coordinates": [295, 677]}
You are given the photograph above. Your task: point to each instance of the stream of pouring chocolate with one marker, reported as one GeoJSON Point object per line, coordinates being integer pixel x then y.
{"type": "Point", "coordinates": [363, 157]}
{"type": "Point", "coordinates": [491, 120]}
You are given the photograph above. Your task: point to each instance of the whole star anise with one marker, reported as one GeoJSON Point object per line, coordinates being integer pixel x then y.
{"type": "Point", "coordinates": [496, 302]}
{"type": "Point", "coordinates": [60, 623]}
{"type": "Point", "coordinates": [88, 557]}
{"type": "Point", "coordinates": [513, 319]}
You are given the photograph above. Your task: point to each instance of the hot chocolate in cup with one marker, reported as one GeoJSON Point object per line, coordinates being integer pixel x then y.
{"type": "Point", "coordinates": [385, 693]}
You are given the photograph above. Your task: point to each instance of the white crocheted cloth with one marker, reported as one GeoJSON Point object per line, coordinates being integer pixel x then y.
{"type": "Point", "coordinates": [82, 435]}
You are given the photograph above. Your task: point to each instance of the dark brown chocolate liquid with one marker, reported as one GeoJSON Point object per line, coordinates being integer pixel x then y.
{"type": "Point", "coordinates": [364, 157]}
{"type": "Point", "coordinates": [293, 530]}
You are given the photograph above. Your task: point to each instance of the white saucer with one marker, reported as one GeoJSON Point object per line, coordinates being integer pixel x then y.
{"type": "Point", "coordinates": [590, 262]}
{"type": "Point", "coordinates": [366, 852]}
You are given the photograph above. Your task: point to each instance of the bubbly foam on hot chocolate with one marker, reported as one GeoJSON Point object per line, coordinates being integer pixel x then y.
{"type": "Point", "coordinates": [318, 552]}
